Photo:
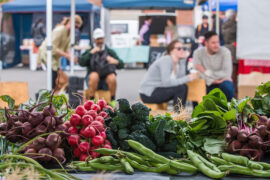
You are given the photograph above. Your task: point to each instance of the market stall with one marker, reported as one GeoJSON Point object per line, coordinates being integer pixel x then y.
{"type": "Point", "coordinates": [220, 139]}
{"type": "Point", "coordinates": [159, 21]}
{"type": "Point", "coordinates": [25, 12]}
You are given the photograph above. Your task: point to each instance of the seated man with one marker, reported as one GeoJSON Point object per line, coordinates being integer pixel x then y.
{"type": "Point", "coordinates": [215, 65]}
{"type": "Point", "coordinates": [101, 63]}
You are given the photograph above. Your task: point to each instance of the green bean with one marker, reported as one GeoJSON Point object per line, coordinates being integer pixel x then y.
{"type": "Point", "coordinates": [128, 168]}
{"type": "Point", "coordinates": [170, 171]}
{"type": "Point", "coordinates": [241, 160]}
{"type": "Point", "coordinates": [158, 158]}
{"type": "Point", "coordinates": [106, 151]}
{"type": "Point", "coordinates": [107, 167]}
{"type": "Point", "coordinates": [207, 163]}
{"type": "Point", "coordinates": [255, 165]}
{"type": "Point", "coordinates": [130, 155]}
{"type": "Point", "coordinates": [218, 161]}
{"type": "Point", "coordinates": [86, 168]}
{"type": "Point", "coordinates": [108, 159]}
{"type": "Point", "coordinates": [204, 168]}
{"type": "Point", "coordinates": [266, 166]}
{"type": "Point", "coordinates": [144, 168]}
{"type": "Point", "coordinates": [185, 161]}
{"type": "Point", "coordinates": [237, 169]}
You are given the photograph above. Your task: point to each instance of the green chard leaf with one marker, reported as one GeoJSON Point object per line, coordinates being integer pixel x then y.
{"type": "Point", "coordinates": [9, 100]}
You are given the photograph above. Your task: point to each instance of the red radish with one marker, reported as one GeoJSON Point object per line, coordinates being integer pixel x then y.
{"type": "Point", "coordinates": [94, 154]}
{"type": "Point", "coordinates": [95, 107]}
{"type": "Point", "coordinates": [97, 140]}
{"type": "Point", "coordinates": [86, 120]}
{"type": "Point", "coordinates": [109, 107]}
{"type": "Point", "coordinates": [92, 113]}
{"type": "Point", "coordinates": [88, 104]}
{"type": "Point", "coordinates": [102, 103]}
{"type": "Point", "coordinates": [83, 157]}
{"type": "Point", "coordinates": [75, 120]}
{"type": "Point", "coordinates": [107, 142]}
{"type": "Point", "coordinates": [98, 126]}
{"type": "Point", "coordinates": [107, 146]}
{"type": "Point", "coordinates": [90, 132]}
{"type": "Point", "coordinates": [103, 114]}
{"type": "Point", "coordinates": [73, 130]}
{"type": "Point", "coordinates": [103, 134]}
{"type": "Point", "coordinates": [84, 147]}
{"type": "Point", "coordinates": [100, 119]}
{"type": "Point", "coordinates": [82, 132]}
{"type": "Point", "coordinates": [74, 139]}
{"type": "Point", "coordinates": [77, 152]}
{"type": "Point", "coordinates": [67, 124]}
{"type": "Point", "coordinates": [80, 110]}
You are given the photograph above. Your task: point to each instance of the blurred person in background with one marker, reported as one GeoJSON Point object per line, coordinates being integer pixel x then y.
{"type": "Point", "coordinates": [215, 65]}
{"type": "Point", "coordinates": [38, 32]}
{"type": "Point", "coordinates": [229, 29]}
{"type": "Point", "coordinates": [171, 32]}
{"type": "Point", "coordinates": [220, 29]}
{"type": "Point", "coordinates": [202, 28]}
{"type": "Point", "coordinates": [165, 79]}
{"type": "Point", "coordinates": [145, 31]}
{"type": "Point", "coordinates": [101, 63]}
{"type": "Point", "coordinates": [60, 47]}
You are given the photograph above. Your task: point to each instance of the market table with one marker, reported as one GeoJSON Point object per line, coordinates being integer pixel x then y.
{"type": "Point", "coordinates": [153, 176]}
{"type": "Point", "coordinates": [133, 54]}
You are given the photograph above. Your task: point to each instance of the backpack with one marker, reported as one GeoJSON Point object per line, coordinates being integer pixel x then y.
{"type": "Point", "coordinates": [100, 64]}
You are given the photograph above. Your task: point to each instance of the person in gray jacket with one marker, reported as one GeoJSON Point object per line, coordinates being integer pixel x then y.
{"type": "Point", "coordinates": [165, 79]}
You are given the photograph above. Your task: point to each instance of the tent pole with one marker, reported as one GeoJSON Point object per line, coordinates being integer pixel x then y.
{"type": "Point", "coordinates": [49, 43]}
{"type": "Point", "coordinates": [217, 17]}
{"type": "Point", "coordinates": [72, 36]}
{"type": "Point", "coordinates": [210, 15]}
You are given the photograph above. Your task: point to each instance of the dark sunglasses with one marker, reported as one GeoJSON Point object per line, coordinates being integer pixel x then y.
{"type": "Point", "coordinates": [181, 48]}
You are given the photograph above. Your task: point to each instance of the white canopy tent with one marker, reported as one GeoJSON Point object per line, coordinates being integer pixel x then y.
{"type": "Point", "coordinates": [253, 30]}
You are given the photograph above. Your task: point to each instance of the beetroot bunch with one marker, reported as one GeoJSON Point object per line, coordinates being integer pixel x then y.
{"type": "Point", "coordinates": [248, 141]}
{"type": "Point", "coordinates": [87, 129]}
{"type": "Point", "coordinates": [24, 125]}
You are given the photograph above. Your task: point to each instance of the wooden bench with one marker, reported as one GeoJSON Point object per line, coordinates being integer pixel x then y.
{"type": "Point", "coordinates": [99, 94]}
{"type": "Point", "coordinates": [17, 90]}
{"type": "Point", "coordinates": [196, 91]}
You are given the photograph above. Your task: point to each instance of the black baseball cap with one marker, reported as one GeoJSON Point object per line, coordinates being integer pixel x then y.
{"type": "Point", "coordinates": [205, 17]}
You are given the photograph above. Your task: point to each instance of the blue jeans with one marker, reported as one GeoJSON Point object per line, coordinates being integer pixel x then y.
{"type": "Point", "coordinates": [226, 87]}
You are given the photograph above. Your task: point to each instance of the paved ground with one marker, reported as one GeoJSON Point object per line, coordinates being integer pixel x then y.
{"type": "Point", "coordinates": [128, 80]}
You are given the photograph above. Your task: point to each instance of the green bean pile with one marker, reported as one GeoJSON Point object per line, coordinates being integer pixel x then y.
{"type": "Point", "coordinates": [146, 161]}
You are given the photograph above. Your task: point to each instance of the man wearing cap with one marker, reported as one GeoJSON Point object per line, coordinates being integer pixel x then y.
{"type": "Point", "coordinates": [202, 28]}
{"type": "Point", "coordinates": [101, 63]}
{"type": "Point", "coordinates": [60, 45]}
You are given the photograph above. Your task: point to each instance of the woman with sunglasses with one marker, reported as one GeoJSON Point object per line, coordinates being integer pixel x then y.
{"type": "Point", "coordinates": [60, 44]}
{"type": "Point", "coordinates": [166, 77]}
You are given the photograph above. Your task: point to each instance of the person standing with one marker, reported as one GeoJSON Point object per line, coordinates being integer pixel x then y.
{"type": "Point", "coordinates": [215, 65]}
{"type": "Point", "coordinates": [38, 32]}
{"type": "Point", "coordinates": [202, 28]}
{"type": "Point", "coordinates": [229, 29]}
{"type": "Point", "coordinates": [145, 31]}
{"type": "Point", "coordinates": [60, 44]}
{"type": "Point", "coordinates": [171, 32]}
{"type": "Point", "coordinates": [165, 79]}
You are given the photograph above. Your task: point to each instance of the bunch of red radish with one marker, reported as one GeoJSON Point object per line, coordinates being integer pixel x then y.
{"type": "Point", "coordinates": [87, 129]}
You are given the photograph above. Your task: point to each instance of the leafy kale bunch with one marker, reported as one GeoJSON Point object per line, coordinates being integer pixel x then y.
{"type": "Point", "coordinates": [129, 122]}
{"type": "Point", "coordinates": [261, 100]}
{"type": "Point", "coordinates": [133, 122]}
